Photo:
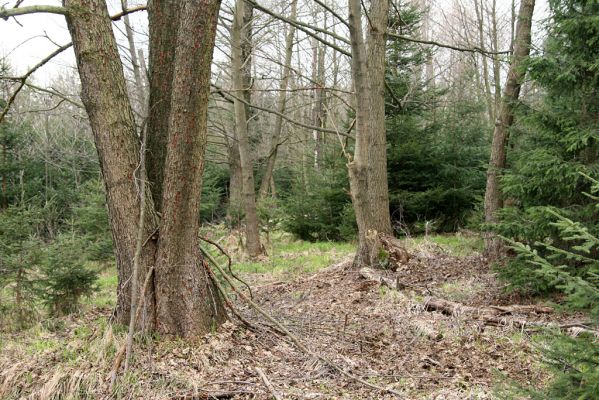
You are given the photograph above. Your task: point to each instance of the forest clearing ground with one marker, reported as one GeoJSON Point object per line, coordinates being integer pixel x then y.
{"type": "Point", "coordinates": [381, 335]}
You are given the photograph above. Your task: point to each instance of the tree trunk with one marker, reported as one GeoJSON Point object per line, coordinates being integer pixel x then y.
{"type": "Point", "coordinates": [238, 34]}
{"type": "Point", "coordinates": [281, 104]}
{"type": "Point", "coordinates": [377, 172]}
{"type": "Point", "coordinates": [358, 167]}
{"type": "Point", "coordinates": [505, 118]}
{"type": "Point", "coordinates": [184, 302]}
{"type": "Point", "coordinates": [234, 209]}
{"type": "Point", "coordinates": [163, 21]}
{"type": "Point", "coordinates": [187, 301]}
{"type": "Point", "coordinates": [104, 94]}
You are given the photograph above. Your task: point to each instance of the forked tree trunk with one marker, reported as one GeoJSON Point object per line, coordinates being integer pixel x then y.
{"type": "Point", "coordinates": [281, 105]}
{"type": "Point", "coordinates": [377, 172]}
{"type": "Point", "coordinates": [238, 34]}
{"type": "Point", "coordinates": [183, 301]}
{"type": "Point", "coordinates": [358, 167]}
{"type": "Point", "coordinates": [505, 118]}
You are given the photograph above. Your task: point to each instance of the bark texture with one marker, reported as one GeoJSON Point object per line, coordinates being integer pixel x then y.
{"type": "Point", "coordinates": [104, 95]}
{"type": "Point", "coordinates": [163, 20]}
{"type": "Point", "coordinates": [378, 189]}
{"type": "Point", "coordinates": [505, 118]}
{"type": "Point", "coordinates": [187, 301]}
{"type": "Point", "coordinates": [358, 167]}
{"type": "Point", "coordinates": [181, 300]}
{"type": "Point", "coordinates": [238, 35]}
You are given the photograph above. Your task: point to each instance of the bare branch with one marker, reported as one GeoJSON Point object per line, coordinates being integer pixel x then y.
{"type": "Point", "coordinates": [24, 78]}
{"type": "Point", "coordinates": [230, 97]}
{"type": "Point", "coordinates": [6, 13]}
{"type": "Point", "coordinates": [475, 49]}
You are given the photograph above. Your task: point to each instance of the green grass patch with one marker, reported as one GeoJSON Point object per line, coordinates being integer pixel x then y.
{"type": "Point", "coordinates": [297, 257]}
{"type": "Point", "coordinates": [456, 245]}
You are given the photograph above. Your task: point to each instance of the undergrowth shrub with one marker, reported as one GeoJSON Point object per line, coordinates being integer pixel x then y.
{"type": "Point", "coordinates": [67, 278]}
{"type": "Point", "coordinates": [573, 269]}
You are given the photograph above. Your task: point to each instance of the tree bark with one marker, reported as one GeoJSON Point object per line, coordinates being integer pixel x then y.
{"type": "Point", "coordinates": [163, 21]}
{"type": "Point", "coordinates": [234, 209]}
{"type": "Point", "coordinates": [358, 167]}
{"type": "Point", "coordinates": [182, 300]}
{"type": "Point", "coordinates": [281, 105]}
{"type": "Point", "coordinates": [187, 302]}
{"type": "Point", "coordinates": [377, 172]}
{"type": "Point", "coordinates": [238, 34]}
{"type": "Point", "coordinates": [505, 118]}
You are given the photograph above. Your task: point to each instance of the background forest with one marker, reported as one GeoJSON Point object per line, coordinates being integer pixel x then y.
{"type": "Point", "coordinates": [440, 108]}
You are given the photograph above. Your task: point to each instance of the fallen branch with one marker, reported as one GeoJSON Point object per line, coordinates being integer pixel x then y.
{"type": "Point", "coordinates": [499, 315]}
{"type": "Point", "coordinates": [268, 385]}
{"type": "Point", "coordinates": [294, 338]}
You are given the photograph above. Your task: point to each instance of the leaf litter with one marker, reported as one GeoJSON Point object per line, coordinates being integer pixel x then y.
{"type": "Point", "coordinates": [383, 336]}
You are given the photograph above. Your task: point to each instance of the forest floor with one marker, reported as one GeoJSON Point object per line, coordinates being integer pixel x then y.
{"type": "Point", "coordinates": [386, 337]}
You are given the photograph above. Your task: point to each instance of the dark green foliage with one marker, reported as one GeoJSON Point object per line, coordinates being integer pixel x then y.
{"type": "Point", "coordinates": [66, 277]}
{"type": "Point", "coordinates": [553, 223]}
{"type": "Point", "coordinates": [574, 364]}
{"type": "Point", "coordinates": [214, 186]}
{"type": "Point", "coordinates": [90, 220]}
{"type": "Point", "coordinates": [48, 186]}
{"type": "Point", "coordinates": [436, 172]}
{"type": "Point", "coordinates": [555, 145]}
{"type": "Point", "coordinates": [317, 209]}
{"type": "Point", "coordinates": [20, 255]}
{"type": "Point", "coordinates": [436, 158]}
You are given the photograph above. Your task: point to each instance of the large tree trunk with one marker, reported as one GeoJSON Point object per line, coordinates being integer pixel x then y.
{"type": "Point", "coordinates": [358, 167]}
{"type": "Point", "coordinates": [163, 20]}
{"type": "Point", "coordinates": [184, 302]}
{"type": "Point", "coordinates": [377, 172]}
{"type": "Point", "coordinates": [505, 118]}
{"type": "Point", "coordinates": [104, 95]}
{"type": "Point", "coordinates": [281, 104]}
{"type": "Point", "coordinates": [186, 299]}
{"type": "Point", "coordinates": [239, 34]}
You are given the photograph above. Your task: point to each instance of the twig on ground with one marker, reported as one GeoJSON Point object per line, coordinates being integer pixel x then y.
{"type": "Point", "coordinates": [268, 385]}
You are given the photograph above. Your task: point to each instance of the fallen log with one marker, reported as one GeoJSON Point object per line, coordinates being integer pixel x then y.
{"type": "Point", "coordinates": [502, 315]}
